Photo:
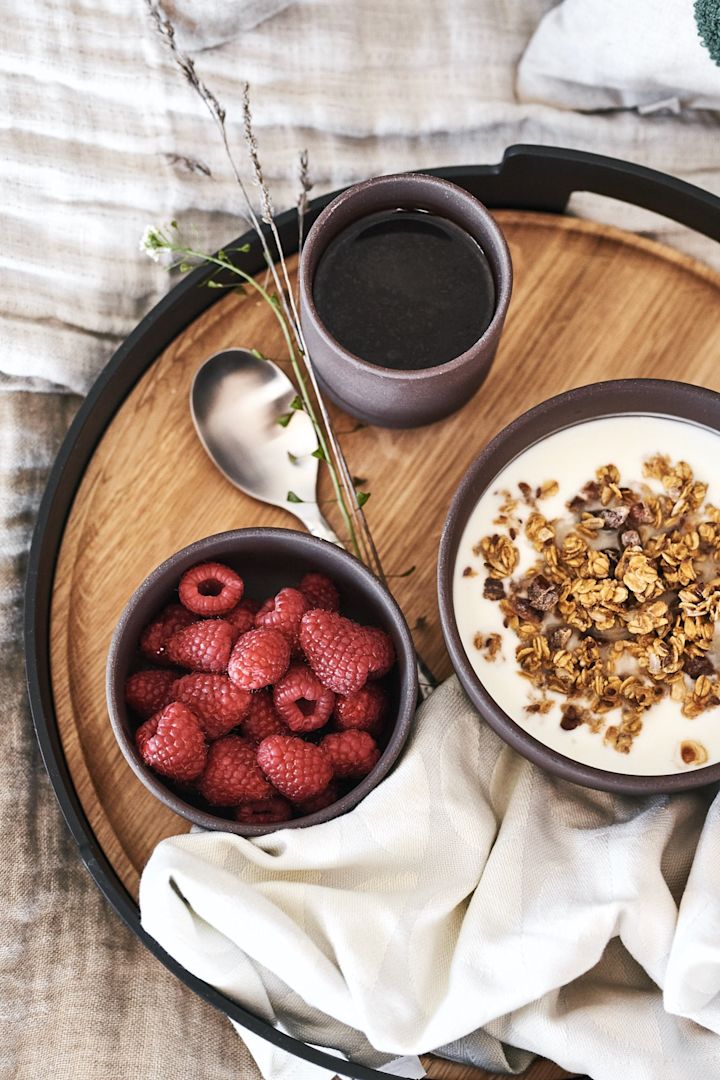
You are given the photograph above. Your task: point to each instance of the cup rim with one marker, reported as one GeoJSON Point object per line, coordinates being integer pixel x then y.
{"type": "Point", "coordinates": [503, 286]}
{"type": "Point", "coordinates": [466, 496]}
{"type": "Point", "coordinates": [406, 655]}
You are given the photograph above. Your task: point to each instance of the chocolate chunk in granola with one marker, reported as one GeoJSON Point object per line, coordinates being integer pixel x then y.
{"type": "Point", "coordinates": [571, 718]}
{"type": "Point", "coordinates": [524, 609]}
{"type": "Point", "coordinates": [559, 637]}
{"type": "Point", "coordinates": [542, 594]}
{"type": "Point", "coordinates": [640, 514]}
{"type": "Point", "coordinates": [695, 666]}
{"type": "Point", "coordinates": [493, 589]}
{"type": "Point", "coordinates": [525, 490]}
{"type": "Point", "coordinates": [613, 516]}
{"type": "Point", "coordinates": [577, 505]}
{"type": "Point", "coordinates": [630, 538]}
{"type": "Point", "coordinates": [591, 490]}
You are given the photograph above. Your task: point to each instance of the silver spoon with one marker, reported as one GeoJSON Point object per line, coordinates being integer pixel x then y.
{"type": "Point", "coordinates": [235, 401]}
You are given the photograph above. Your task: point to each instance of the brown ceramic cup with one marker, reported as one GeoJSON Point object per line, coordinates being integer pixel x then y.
{"type": "Point", "coordinates": [267, 559]}
{"type": "Point", "coordinates": [386, 396]}
{"type": "Point", "coordinates": [635, 396]}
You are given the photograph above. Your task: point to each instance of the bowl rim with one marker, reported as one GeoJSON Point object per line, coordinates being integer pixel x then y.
{"type": "Point", "coordinates": [422, 181]}
{"type": "Point", "coordinates": [396, 623]}
{"type": "Point", "coordinates": [468, 493]}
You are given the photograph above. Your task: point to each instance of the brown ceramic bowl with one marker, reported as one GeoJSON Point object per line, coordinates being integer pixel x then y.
{"type": "Point", "coordinates": [386, 396]}
{"type": "Point", "coordinates": [639, 396]}
{"type": "Point", "coordinates": [267, 559]}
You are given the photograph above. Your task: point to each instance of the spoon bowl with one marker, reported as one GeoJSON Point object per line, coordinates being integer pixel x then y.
{"type": "Point", "coordinates": [242, 408]}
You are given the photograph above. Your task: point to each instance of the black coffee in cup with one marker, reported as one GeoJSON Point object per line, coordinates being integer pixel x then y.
{"type": "Point", "coordinates": [404, 289]}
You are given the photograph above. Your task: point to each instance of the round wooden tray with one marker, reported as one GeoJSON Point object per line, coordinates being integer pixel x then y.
{"type": "Point", "coordinates": [590, 303]}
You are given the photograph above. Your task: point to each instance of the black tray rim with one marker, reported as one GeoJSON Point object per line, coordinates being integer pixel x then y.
{"type": "Point", "coordinates": [538, 178]}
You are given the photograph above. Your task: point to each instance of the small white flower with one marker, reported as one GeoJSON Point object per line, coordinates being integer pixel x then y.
{"type": "Point", "coordinates": [153, 243]}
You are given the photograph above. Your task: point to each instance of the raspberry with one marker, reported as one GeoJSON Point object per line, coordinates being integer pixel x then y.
{"type": "Point", "coordinates": [327, 797]}
{"type": "Point", "coordinates": [146, 692]}
{"type": "Point", "coordinates": [264, 812]}
{"type": "Point", "coordinates": [173, 743]}
{"type": "Point", "coordinates": [383, 652]}
{"type": "Point", "coordinates": [362, 710]}
{"type": "Point", "coordinates": [242, 617]}
{"type": "Point", "coordinates": [155, 636]}
{"type": "Point", "coordinates": [283, 612]}
{"type": "Point", "coordinates": [262, 720]}
{"type": "Point", "coordinates": [320, 592]}
{"type": "Point", "coordinates": [218, 703]}
{"type": "Point", "coordinates": [232, 774]}
{"type": "Point", "coordinates": [302, 701]}
{"type": "Point", "coordinates": [341, 652]}
{"type": "Point", "coordinates": [210, 589]}
{"type": "Point", "coordinates": [259, 658]}
{"type": "Point", "coordinates": [352, 753]}
{"type": "Point", "coordinates": [204, 646]}
{"type": "Point", "coordinates": [298, 769]}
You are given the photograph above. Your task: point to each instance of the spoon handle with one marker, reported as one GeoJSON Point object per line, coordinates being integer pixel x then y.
{"type": "Point", "coordinates": [318, 526]}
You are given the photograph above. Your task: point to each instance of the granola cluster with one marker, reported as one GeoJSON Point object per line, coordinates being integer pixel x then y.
{"type": "Point", "coordinates": [619, 609]}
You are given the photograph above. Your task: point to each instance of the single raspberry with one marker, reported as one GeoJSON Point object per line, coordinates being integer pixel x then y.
{"type": "Point", "coordinates": [320, 592]}
{"type": "Point", "coordinates": [173, 743]}
{"type": "Point", "coordinates": [298, 769]}
{"type": "Point", "coordinates": [210, 589]}
{"type": "Point", "coordinates": [352, 753]}
{"type": "Point", "coordinates": [217, 702]}
{"type": "Point", "coordinates": [242, 617]}
{"type": "Point", "coordinates": [264, 812]}
{"type": "Point", "coordinates": [327, 797]}
{"type": "Point", "coordinates": [383, 652]}
{"type": "Point", "coordinates": [341, 652]}
{"type": "Point", "coordinates": [146, 692]}
{"type": "Point", "coordinates": [232, 774]}
{"type": "Point", "coordinates": [155, 636]}
{"type": "Point", "coordinates": [283, 612]}
{"type": "Point", "coordinates": [204, 646]}
{"type": "Point", "coordinates": [262, 719]}
{"type": "Point", "coordinates": [302, 701]}
{"type": "Point", "coordinates": [259, 658]}
{"type": "Point", "coordinates": [363, 710]}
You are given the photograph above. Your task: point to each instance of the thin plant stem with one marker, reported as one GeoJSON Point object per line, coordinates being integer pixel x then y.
{"type": "Point", "coordinates": [307, 400]}
{"type": "Point", "coordinates": [343, 486]}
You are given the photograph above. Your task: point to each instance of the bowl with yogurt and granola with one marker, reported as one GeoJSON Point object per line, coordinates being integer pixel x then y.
{"type": "Point", "coordinates": [579, 585]}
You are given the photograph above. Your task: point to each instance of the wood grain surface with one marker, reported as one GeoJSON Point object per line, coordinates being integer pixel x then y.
{"type": "Point", "coordinates": [589, 303]}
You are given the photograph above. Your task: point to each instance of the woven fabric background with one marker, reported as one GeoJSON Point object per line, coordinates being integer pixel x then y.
{"type": "Point", "coordinates": [98, 137]}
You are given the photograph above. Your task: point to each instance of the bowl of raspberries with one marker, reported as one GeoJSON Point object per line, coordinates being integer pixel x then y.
{"type": "Point", "coordinates": [261, 679]}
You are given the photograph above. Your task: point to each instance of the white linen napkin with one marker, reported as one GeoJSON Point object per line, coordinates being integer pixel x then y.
{"type": "Point", "coordinates": [470, 901]}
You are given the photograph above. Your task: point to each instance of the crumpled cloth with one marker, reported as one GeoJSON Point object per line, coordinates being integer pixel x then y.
{"type": "Point", "coordinates": [102, 137]}
{"type": "Point", "coordinates": [469, 891]}
{"type": "Point", "coordinates": [586, 55]}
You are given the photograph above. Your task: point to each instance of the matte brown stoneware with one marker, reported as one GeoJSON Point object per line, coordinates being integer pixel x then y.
{"type": "Point", "coordinates": [639, 396]}
{"type": "Point", "coordinates": [267, 559]}
{"type": "Point", "coordinates": [386, 396]}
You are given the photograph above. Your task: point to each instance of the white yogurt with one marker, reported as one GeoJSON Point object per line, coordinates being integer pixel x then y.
{"type": "Point", "coordinates": [571, 457]}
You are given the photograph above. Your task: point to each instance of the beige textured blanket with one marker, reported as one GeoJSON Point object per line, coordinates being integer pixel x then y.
{"type": "Point", "coordinates": [99, 138]}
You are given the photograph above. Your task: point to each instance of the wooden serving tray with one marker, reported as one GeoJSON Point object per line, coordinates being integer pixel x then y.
{"type": "Point", "coordinates": [590, 302]}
